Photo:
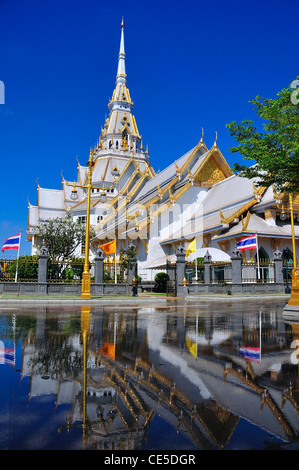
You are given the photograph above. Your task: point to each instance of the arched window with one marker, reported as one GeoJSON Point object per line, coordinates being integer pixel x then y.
{"type": "Point", "coordinates": [263, 255]}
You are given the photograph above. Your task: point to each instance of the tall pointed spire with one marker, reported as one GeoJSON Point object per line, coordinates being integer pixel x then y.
{"type": "Point", "coordinates": [121, 133]}
{"type": "Point", "coordinates": [121, 70]}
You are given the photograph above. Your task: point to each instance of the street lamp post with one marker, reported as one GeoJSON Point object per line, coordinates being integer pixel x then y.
{"type": "Point", "coordinates": [294, 300]}
{"type": "Point", "coordinates": [85, 291]}
{"type": "Point", "coordinates": [293, 232]}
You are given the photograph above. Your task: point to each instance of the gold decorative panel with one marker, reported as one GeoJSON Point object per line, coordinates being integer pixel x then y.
{"type": "Point", "coordinates": [210, 174]}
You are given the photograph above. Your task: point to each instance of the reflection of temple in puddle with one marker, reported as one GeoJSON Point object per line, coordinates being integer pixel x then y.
{"type": "Point", "coordinates": [184, 367]}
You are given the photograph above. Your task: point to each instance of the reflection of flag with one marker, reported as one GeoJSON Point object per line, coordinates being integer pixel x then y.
{"type": "Point", "coordinates": [250, 354]}
{"type": "Point", "coordinates": [108, 350]}
{"type": "Point", "coordinates": [247, 243]}
{"type": "Point", "coordinates": [109, 248]}
{"type": "Point", "coordinates": [12, 243]}
{"type": "Point", "coordinates": [191, 346]}
{"type": "Point", "coordinates": [191, 248]}
{"type": "Point", "coordinates": [7, 355]}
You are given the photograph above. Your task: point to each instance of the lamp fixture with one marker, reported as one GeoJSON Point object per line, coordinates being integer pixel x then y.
{"type": "Point", "coordinates": [74, 193]}
{"type": "Point", "coordinates": [103, 197]}
{"type": "Point", "coordinates": [282, 215]}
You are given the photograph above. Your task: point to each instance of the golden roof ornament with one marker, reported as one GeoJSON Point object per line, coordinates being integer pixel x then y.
{"type": "Point", "coordinates": [202, 134]}
{"type": "Point", "coordinates": [216, 138]}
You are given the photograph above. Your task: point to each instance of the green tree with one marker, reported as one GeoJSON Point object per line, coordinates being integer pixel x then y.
{"type": "Point", "coordinates": [27, 267]}
{"type": "Point", "coordinates": [161, 281]}
{"type": "Point", "coordinates": [128, 260]}
{"type": "Point", "coordinates": [275, 149]}
{"type": "Point", "coordinates": [62, 237]}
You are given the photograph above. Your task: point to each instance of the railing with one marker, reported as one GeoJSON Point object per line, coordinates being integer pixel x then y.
{"type": "Point", "coordinates": [288, 271]}
{"type": "Point", "coordinates": [252, 272]}
{"type": "Point", "coordinates": [194, 272]}
{"type": "Point", "coordinates": [221, 273]}
{"type": "Point", "coordinates": [69, 271]}
{"type": "Point", "coordinates": [26, 268]}
{"type": "Point", "coordinates": [112, 269]}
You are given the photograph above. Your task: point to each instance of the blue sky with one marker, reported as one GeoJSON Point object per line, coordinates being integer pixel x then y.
{"type": "Point", "coordinates": [190, 65]}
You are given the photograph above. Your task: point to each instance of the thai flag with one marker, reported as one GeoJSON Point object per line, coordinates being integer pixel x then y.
{"type": "Point", "coordinates": [12, 243]}
{"type": "Point", "coordinates": [247, 243]}
{"type": "Point", "coordinates": [7, 355]}
{"type": "Point", "coordinates": [250, 354]}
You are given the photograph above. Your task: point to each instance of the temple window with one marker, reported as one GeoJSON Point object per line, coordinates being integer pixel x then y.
{"type": "Point", "coordinates": [82, 219]}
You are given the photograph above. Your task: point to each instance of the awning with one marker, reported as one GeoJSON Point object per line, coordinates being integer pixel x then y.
{"type": "Point", "coordinates": [216, 254]}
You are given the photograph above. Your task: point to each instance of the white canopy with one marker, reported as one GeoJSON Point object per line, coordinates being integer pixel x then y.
{"type": "Point", "coordinates": [160, 262]}
{"type": "Point", "coordinates": [216, 254]}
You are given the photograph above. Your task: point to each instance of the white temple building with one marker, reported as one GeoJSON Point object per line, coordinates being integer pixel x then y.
{"type": "Point", "coordinates": [196, 197]}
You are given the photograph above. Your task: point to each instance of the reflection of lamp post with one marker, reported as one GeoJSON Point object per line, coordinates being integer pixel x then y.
{"type": "Point", "coordinates": [85, 293]}
{"type": "Point", "coordinates": [293, 231]}
{"type": "Point", "coordinates": [287, 254]}
{"type": "Point", "coordinates": [85, 322]}
{"type": "Point", "coordinates": [85, 325]}
{"type": "Point", "coordinates": [294, 300]}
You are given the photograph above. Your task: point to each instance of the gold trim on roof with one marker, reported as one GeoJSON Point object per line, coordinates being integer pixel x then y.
{"type": "Point", "coordinates": [237, 213]}
{"type": "Point", "coordinates": [135, 126]}
{"type": "Point", "coordinates": [223, 168]}
{"type": "Point", "coordinates": [150, 169]}
{"type": "Point", "coordinates": [141, 180]}
{"type": "Point", "coordinates": [191, 156]}
{"type": "Point", "coordinates": [245, 221]}
{"type": "Point", "coordinates": [126, 167]}
{"type": "Point", "coordinates": [130, 180]}
{"type": "Point", "coordinates": [258, 191]}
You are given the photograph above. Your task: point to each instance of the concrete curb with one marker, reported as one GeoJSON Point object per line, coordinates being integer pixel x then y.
{"type": "Point", "coordinates": [144, 300]}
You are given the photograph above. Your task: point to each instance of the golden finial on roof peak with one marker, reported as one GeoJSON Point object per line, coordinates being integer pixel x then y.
{"type": "Point", "coordinates": [202, 134]}
{"type": "Point", "coordinates": [215, 143]}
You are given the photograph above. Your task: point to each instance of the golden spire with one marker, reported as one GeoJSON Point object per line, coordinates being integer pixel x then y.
{"type": "Point", "coordinates": [215, 143]}
{"type": "Point", "coordinates": [202, 134]}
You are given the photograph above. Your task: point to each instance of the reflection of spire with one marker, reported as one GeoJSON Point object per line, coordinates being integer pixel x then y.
{"type": "Point", "coordinates": [262, 392]}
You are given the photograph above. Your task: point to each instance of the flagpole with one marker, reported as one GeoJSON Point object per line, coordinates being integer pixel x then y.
{"type": "Point", "coordinates": [260, 335]}
{"type": "Point", "coordinates": [16, 276]}
{"type": "Point", "coordinates": [115, 273]}
{"type": "Point", "coordinates": [258, 258]}
{"type": "Point", "coordinates": [195, 262]}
